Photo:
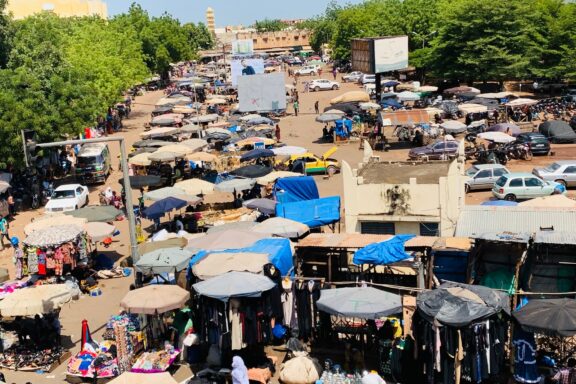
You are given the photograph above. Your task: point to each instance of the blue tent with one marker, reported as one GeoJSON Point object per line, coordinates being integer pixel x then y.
{"type": "Point", "coordinates": [290, 189]}
{"type": "Point", "coordinates": [256, 154]}
{"type": "Point", "coordinates": [159, 208]}
{"type": "Point", "coordinates": [383, 253]}
{"type": "Point", "coordinates": [279, 251]}
{"type": "Point", "coordinates": [314, 213]}
{"type": "Point", "coordinates": [391, 103]}
{"type": "Point", "coordinates": [343, 127]}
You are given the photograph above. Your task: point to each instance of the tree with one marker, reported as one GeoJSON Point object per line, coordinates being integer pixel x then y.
{"type": "Point", "coordinates": [269, 25]}
{"type": "Point", "coordinates": [4, 34]}
{"type": "Point", "coordinates": [199, 37]}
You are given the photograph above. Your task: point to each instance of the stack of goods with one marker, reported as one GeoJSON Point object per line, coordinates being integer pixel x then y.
{"type": "Point", "coordinates": [22, 358]}
{"type": "Point", "coordinates": [125, 331]}
{"type": "Point", "coordinates": [100, 362]}
{"type": "Point", "coordinates": [156, 361]}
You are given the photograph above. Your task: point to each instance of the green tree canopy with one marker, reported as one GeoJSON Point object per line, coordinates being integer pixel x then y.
{"type": "Point", "coordinates": [269, 25]}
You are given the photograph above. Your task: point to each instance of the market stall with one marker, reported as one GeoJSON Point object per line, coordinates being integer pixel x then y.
{"type": "Point", "coordinates": [31, 329]}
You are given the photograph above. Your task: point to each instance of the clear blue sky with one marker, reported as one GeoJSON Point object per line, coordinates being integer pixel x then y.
{"type": "Point", "coordinates": [228, 12]}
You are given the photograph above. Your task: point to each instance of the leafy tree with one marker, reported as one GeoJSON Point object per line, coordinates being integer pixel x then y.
{"type": "Point", "coordinates": [199, 37]}
{"type": "Point", "coordinates": [4, 34]}
{"type": "Point", "coordinates": [270, 25]}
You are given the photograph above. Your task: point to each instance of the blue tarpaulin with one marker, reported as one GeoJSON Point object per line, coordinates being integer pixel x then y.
{"type": "Point", "coordinates": [314, 213]}
{"type": "Point", "coordinates": [290, 189]}
{"type": "Point", "coordinates": [279, 251]}
{"type": "Point", "coordinates": [500, 203]}
{"type": "Point", "coordinates": [343, 127]}
{"type": "Point", "coordinates": [385, 252]}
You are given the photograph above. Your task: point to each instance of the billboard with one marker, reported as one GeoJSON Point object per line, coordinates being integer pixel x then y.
{"type": "Point", "coordinates": [380, 54]}
{"type": "Point", "coordinates": [261, 93]}
{"type": "Point", "coordinates": [245, 66]}
{"type": "Point", "coordinates": [390, 54]}
{"type": "Point", "coordinates": [243, 47]}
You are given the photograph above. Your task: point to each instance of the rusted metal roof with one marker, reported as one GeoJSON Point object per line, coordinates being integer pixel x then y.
{"type": "Point", "coordinates": [417, 116]}
{"type": "Point", "coordinates": [341, 240]}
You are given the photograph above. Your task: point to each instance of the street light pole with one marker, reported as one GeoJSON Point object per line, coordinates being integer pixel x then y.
{"type": "Point", "coordinates": [125, 177]}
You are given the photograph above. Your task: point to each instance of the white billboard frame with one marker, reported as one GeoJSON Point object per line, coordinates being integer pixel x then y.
{"type": "Point", "coordinates": [390, 54]}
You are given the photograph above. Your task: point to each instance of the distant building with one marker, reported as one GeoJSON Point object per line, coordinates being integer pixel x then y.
{"type": "Point", "coordinates": [211, 21]}
{"type": "Point", "coordinates": [403, 198]}
{"type": "Point", "coordinates": [63, 8]}
{"type": "Point", "coordinates": [290, 39]}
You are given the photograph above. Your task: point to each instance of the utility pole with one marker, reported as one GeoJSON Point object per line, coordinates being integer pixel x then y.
{"type": "Point", "coordinates": [126, 180]}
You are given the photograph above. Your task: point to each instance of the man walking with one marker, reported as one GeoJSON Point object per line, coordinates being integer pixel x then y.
{"type": "Point", "coordinates": [317, 107]}
{"type": "Point", "coordinates": [296, 106]}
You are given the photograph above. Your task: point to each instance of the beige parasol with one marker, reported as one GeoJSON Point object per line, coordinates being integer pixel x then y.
{"type": "Point", "coordinates": [140, 160]}
{"type": "Point", "coordinates": [98, 231]}
{"type": "Point", "coordinates": [195, 186]}
{"type": "Point", "coordinates": [216, 264]}
{"type": "Point", "coordinates": [49, 221]}
{"type": "Point", "coordinates": [272, 177]}
{"type": "Point", "coordinates": [179, 149]}
{"type": "Point", "coordinates": [35, 300]}
{"type": "Point", "coordinates": [155, 299]}
{"type": "Point", "coordinates": [202, 156]}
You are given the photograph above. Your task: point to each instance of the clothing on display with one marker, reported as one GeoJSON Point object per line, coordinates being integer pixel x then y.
{"type": "Point", "coordinates": [525, 368]}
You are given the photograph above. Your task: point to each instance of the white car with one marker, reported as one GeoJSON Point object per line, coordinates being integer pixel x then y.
{"type": "Point", "coordinates": [352, 77]}
{"type": "Point", "coordinates": [68, 197]}
{"type": "Point", "coordinates": [367, 79]}
{"type": "Point", "coordinates": [323, 84]}
{"type": "Point", "coordinates": [311, 70]}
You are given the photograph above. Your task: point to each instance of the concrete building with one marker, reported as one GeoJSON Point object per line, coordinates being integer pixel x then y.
{"type": "Point", "coordinates": [403, 198]}
{"type": "Point", "coordinates": [63, 8]}
{"type": "Point", "coordinates": [286, 39]}
{"type": "Point", "coordinates": [211, 21]}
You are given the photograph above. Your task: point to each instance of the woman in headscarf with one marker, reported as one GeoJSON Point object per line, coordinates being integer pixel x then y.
{"type": "Point", "coordinates": [239, 371]}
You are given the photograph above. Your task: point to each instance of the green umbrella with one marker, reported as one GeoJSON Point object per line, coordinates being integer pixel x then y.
{"type": "Point", "coordinates": [164, 260]}
{"type": "Point", "coordinates": [104, 213]}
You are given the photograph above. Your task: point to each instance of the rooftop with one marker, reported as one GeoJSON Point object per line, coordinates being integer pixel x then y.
{"type": "Point", "coordinates": [401, 173]}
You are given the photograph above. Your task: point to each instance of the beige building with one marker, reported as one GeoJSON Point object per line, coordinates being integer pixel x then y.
{"type": "Point", "coordinates": [277, 40]}
{"type": "Point", "coordinates": [403, 198]}
{"type": "Point", "coordinates": [63, 8]}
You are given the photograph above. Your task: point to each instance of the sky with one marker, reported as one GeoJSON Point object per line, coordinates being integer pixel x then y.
{"type": "Point", "coordinates": [228, 12]}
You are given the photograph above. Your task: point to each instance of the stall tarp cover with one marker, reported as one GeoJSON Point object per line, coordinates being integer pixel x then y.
{"type": "Point", "coordinates": [384, 252]}
{"type": "Point", "coordinates": [314, 213]}
{"type": "Point", "coordinates": [292, 189]}
{"type": "Point", "coordinates": [416, 116]}
{"type": "Point", "coordinates": [279, 251]}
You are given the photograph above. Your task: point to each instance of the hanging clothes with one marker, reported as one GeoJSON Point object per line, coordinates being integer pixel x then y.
{"type": "Point", "coordinates": [236, 329]}
{"type": "Point", "coordinates": [525, 369]}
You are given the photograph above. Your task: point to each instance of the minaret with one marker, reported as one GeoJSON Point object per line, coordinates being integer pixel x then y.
{"type": "Point", "coordinates": [210, 23]}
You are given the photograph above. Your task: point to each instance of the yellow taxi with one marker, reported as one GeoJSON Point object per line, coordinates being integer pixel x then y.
{"type": "Point", "coordinates": [315, 164]}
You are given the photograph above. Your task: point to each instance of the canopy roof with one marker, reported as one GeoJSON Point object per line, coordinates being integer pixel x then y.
{"type": "Point", "coordinates": [359, 302]}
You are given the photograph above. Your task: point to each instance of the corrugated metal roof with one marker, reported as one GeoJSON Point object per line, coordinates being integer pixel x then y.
{"type": "Point", "coordinates": [555, 237]}
{"type": "Point", "coordinates": [476, 220]}
{"type": "Point", "coordinates": [341, 240]}
{"type": "Point", "coordinates": [507, 237]}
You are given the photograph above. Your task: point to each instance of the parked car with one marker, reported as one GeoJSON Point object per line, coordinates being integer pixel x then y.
{"type": "Point", "coordinates": [537, 142]}
{"type": "Point", "coordinates": [571, 95]}
{"type": "Point", "coordinates": [440, 150]}
{"type": "Point", "coordinates": [323, 84]}
{"type": "Point", "coordinates": [562, 172]}
{"type": "Point", "coordinates": [314, 163]}
{"type": "Point", "coordinates": [352, 77]}
{"type": "Point", "coordinates": [311, 70]}
{"type": "Point", "coordinates": [521, 186]}
{"type": "Point", "coordinates": [68, 197]}
{"type": "Point", "coordinates": [367, 79]}
{"type": "Point", "coordinates": [483, 176]}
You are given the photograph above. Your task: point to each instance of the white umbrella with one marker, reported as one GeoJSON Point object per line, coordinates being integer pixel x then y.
{"type": "Point", "coordinates": [282, 227]}
{"type": "Point", "coordinates": [164, 157]}
{"type": "Point", "coordinates": [53, 220]}
{"type": "Point", "coordinates": [453, 126]}
{"type": "Point", "coordinates": [216, 101]}
{"type": "Point", "coordinates": [234, 284]}
{"type": "Point", "coordinates": [35, 300]}
{"type": "Point", "coordinates": [179, 149]}
{"type": "Point", "coordinates": [273, 176]}
{"type": "Point", "coordinates": [497, 137]}
{"type": "Point", "coordinates": [55, 235]}
{"type": "Point", "coordinates": [520, 102]}
{"type": "Point", "coordinates": [202, 156]}
{"type": "Point", "coordinates": [370, 106]}
{"type": "Point", "coordinates": [235, 185]}
{"type": "Point", "coordinates": [195, 144]}
{"type": "Point", "coordinates": [335, 112]}
{"type": "Point", "coordinates": [249, 117]}
{"type": "Point", "coordinates": [359, 302]}
{"type": "Point", "coordinates": [289, 150]}
{"type": "Point", "coordinates": [427, 88]}
{"type": "Point", "coordinates": [162, 193]}
{"type": "Point", "coordinates": [204, 118]}
{"type": "Point", "coordinates": [159, 132]}
{"type": "Point", "coordinates": [216, 264]}
{"type": "Point", "coordinates": [220, 131]}
{"type": "Point", "coordinates": [408, 96]}
{"type": "Point", "coordinates": [98, 231]}
{"type": "Point", "coordinates": [472, 108]}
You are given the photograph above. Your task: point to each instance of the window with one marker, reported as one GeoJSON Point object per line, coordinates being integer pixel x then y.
{"type": "Point", "coordinates": [571, 169]}
{"type": "Point", "coordinates": [532, 182]}
{"type": "Point", "coordinates": [452, 144]}
{"type": "Point", "coordinates": [78, 191]}
{"type": "Point", "coordinates": [516, 183]}
{"type": "Point", "coordinates": [377, 228]}
{"type": "Point", "coordinates": [429, 229]}
{"type": "Point", "coordinates": [500, 171]}
{"type": "Point", "coordinates": [483, 174]}
{"type": "Point", "coordinates": [438, 146]}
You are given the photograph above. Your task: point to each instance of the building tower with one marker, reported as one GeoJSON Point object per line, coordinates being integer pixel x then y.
{"type": "Point", "coordinates": [210, 22]}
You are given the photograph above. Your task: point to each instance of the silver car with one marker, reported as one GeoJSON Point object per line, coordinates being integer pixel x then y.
{"type": "Point", "coordinates": [483, 176]}
{"type": "Point", "coordinates": [563, 172]}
